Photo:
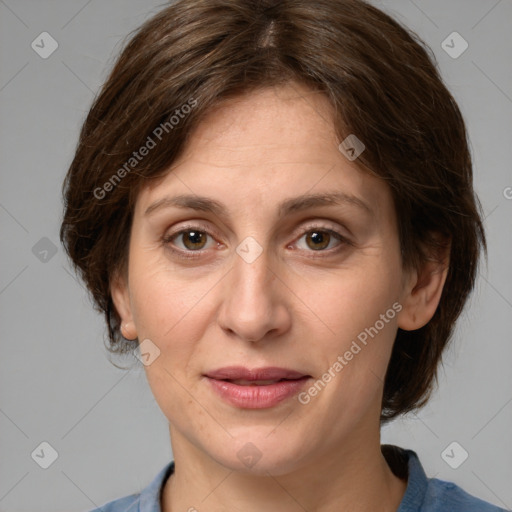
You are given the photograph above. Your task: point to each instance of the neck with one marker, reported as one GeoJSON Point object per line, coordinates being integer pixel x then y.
{"type": "Point", "coordinates": [357, 479]}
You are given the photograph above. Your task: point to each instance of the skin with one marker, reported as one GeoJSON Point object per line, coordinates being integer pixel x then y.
{"type": "Point", "coordinates": [295, 306]}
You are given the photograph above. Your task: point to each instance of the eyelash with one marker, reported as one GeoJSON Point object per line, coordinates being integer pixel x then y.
{"type": "Point", "coordinates": [167, 241]}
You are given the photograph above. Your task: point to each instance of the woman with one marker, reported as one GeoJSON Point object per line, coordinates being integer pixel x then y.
{"type": "Point", "coordinates": [273, 201]}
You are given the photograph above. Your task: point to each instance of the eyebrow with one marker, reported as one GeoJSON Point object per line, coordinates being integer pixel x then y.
{"type": "Point", "coordinates": [288, 206]}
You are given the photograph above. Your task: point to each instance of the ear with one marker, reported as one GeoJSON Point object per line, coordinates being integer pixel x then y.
{"type": "Point", "coordinates": [121, 299]}
{"type": "Point", "coordinates": [424, 286]}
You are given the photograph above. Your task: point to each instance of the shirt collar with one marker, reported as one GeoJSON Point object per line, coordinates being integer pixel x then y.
{"type": "Point", "coordinates": [417, 484]}
{"type": "Point", "coordinates": [149, 500]}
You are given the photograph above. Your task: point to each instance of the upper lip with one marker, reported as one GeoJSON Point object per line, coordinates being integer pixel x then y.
{"type": "Point", "coordinates": [242, 373]}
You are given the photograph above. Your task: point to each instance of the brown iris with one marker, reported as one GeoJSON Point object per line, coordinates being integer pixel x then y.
{"type": "Point", "coordinates": [194, 239]}
{"type": "Point", "coordinates": [319, 239]}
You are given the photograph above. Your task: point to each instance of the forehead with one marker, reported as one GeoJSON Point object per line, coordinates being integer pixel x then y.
{"type": "Point", "coordinates": [288, 116]}
{"type": "Point", "coordinates": [266, 145]}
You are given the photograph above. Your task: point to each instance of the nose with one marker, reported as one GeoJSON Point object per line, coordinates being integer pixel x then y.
{"type": "Point", "coordinates": [254, 306]}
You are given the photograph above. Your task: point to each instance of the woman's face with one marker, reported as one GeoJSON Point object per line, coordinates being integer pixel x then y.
{"type": "Point", "coordinates": [253, 268]}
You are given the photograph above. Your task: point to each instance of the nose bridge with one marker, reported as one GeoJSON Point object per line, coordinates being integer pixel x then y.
{"type": "Point", "coordinates": [251, 286]}
{"type": "Point", "coordinates": [251, 305]}
{"type": "Point", "coordinates": [251, 274]}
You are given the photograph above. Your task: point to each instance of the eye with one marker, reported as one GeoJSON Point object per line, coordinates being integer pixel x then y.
{"type": "Point", "coordinates": [190, 239]}
{"type": "Point", "coordinates": [320, 239]}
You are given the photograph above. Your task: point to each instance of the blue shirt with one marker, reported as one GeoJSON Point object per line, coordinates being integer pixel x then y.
{"type": "Point", "coordinates": [422, 494]}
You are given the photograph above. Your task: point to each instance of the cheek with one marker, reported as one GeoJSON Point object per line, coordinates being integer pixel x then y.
{"type": "Point", "coordinates": [173, 309]}
{"type": "Point", "coordinates": [354, 359]}
{"type": "Point", "coordinates": [359, 307]}
{"type": "Point", "coordinates": [165, 298]}
{"type": "Point", "coordinates": [349, 301]}
{"type": "Point", "coordinates": [173, 312]}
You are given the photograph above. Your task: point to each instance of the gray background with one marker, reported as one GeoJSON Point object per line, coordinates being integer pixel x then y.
{"type": "Point", "coordinates": [57, 384]}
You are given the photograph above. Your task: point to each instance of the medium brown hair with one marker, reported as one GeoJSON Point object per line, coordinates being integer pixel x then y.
{"type": "Point", "coordinates": [383, 85]}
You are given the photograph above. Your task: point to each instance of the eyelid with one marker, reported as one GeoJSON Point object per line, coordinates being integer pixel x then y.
{"type": "Point", "coordinates": [325, 226]}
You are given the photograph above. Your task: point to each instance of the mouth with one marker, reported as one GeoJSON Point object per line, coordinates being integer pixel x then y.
{"type": "Point", "coordinates": [242, 374]}
{"type": "Point", "coordinates": [258, 388]}
{"type": "Point", "coordinates": [242, 382]}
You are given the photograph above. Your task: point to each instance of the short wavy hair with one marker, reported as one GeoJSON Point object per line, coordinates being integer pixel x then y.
{"type": "Point", "coordinates": [383, 84]}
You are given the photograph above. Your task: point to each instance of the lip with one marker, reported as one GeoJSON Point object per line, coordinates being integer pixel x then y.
{"type": "Point", "coordinates": [255, 396]}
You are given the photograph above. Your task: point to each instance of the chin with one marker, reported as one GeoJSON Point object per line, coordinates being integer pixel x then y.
{"type": "Point", "coordinates": [257, 453]}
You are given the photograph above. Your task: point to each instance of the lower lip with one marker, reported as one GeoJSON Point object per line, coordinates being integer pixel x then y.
{"type": "Point", "coordinates": [257, 397]}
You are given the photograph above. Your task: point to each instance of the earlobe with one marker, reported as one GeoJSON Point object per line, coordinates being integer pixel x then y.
{"type": "Point", "coordinates": [423, 291]}
{"type": "Point", "coordinates": [121, 299]}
